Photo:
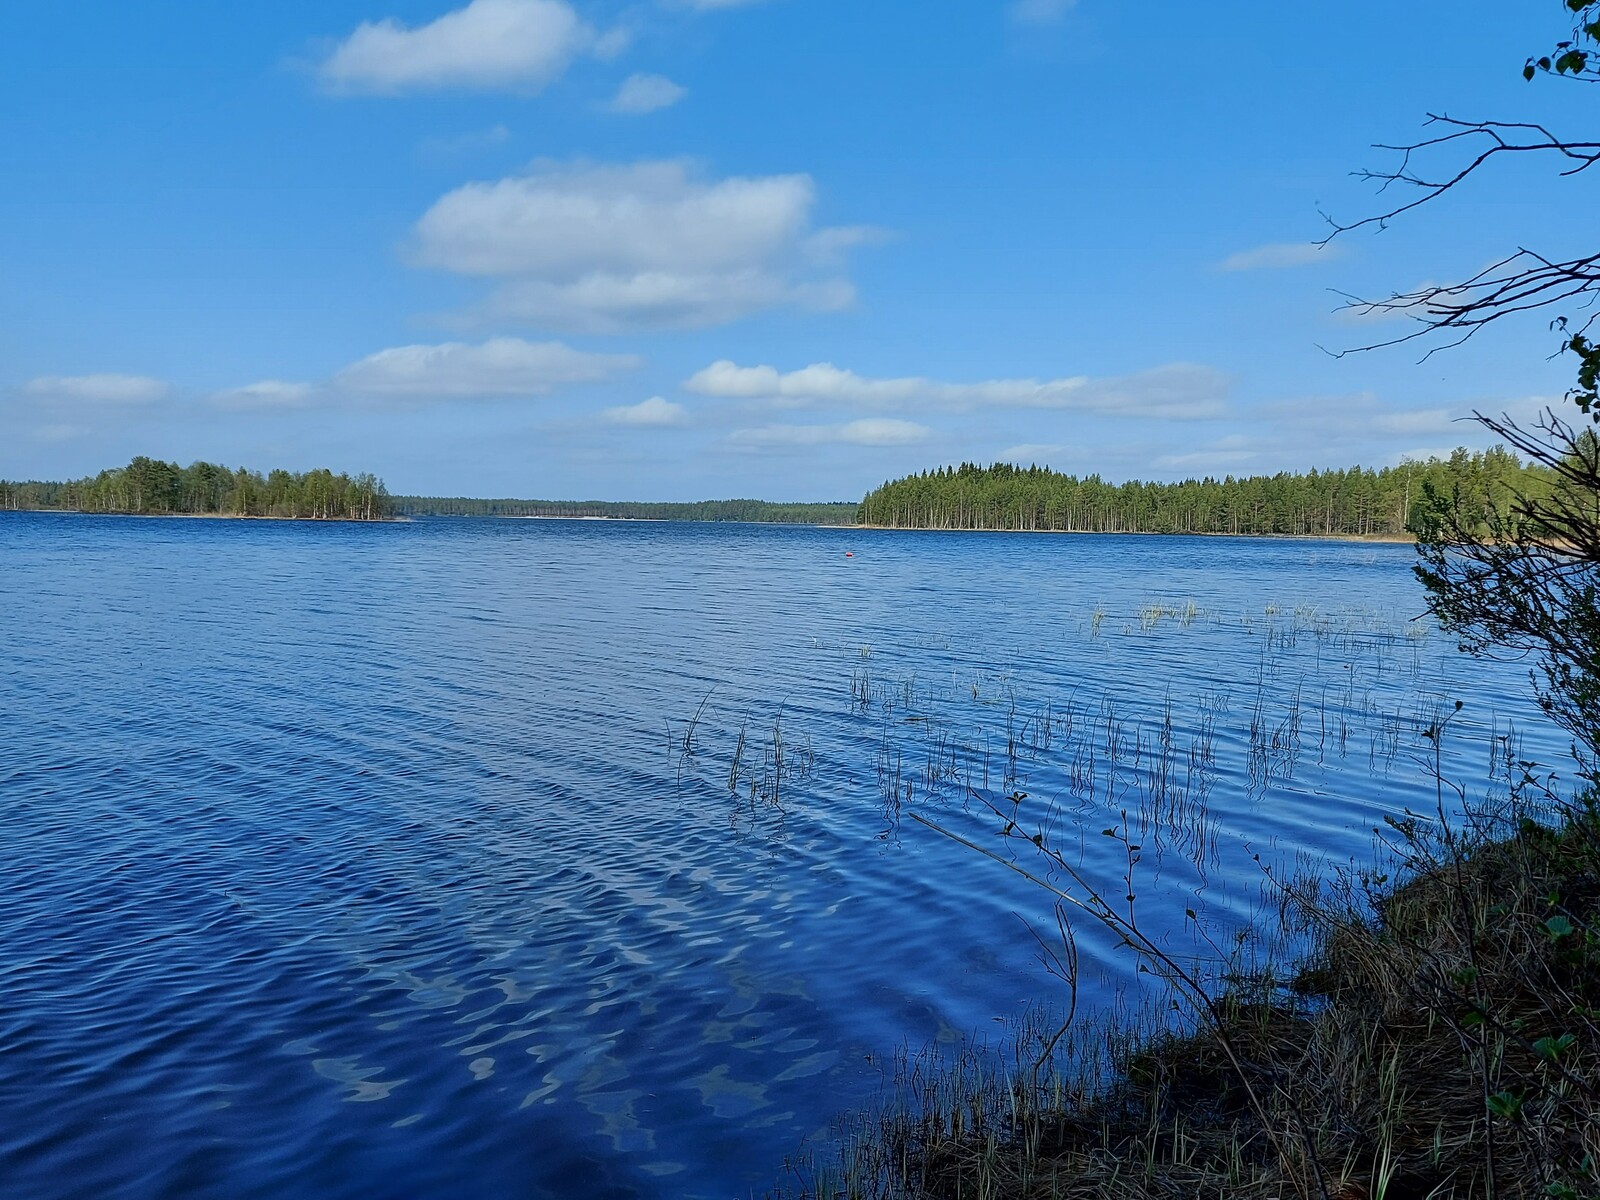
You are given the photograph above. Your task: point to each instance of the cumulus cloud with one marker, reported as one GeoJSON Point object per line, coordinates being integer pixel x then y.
{"type": "Point", "coordinates": [1179, 390]}
{"type": "Point", "coordinates": [655, 412]}
{"type": "Point", "coordinates": [97, 389]}
{"type": "Point", "coordinates": [604, 249]}
{"type": "Point", "coordinates": [1235, 450]}
{"type": "Point", "coordinates": [641, 94]}
{"type": "Point", "coordinates": [498, 368]}
{"type": "Point", "coordinates": [1029, 453]}
{"type": "Point", "coordinates": [59, 433]}
{"type": "Point", "coordinates": [606, 304]}
{"type": "Point", "coordinates": [267, 394]}
{"type": "Point", "coordinates": [873, 431]}
{"type": "Point", "coordinates": [1207, 461]}
{"type": "Point", "coordinates": [1040, 12]}
{"type": "Point", "coordinates": [1425, 420]}
{"type": "Point", "coordinates": [1332, 421]}
{"type": "Point", "coordinates": [1279, 255]}
{"type": "Point", "coordinates": [650, 216]}
{"type": "Point", "coordinates": [830, 246]}
{"type": "Point", "coordinates": [521, 45]}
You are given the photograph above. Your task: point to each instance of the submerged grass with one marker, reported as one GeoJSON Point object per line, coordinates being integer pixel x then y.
{"type": "Point", "coordinates": [1440, 1039]}
{"type": "Point", "coordinates": [1426, 1029]}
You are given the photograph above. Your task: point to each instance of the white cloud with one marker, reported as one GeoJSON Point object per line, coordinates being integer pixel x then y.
{"type": "Point", "coordinates": [1333, 421]}
{"type": "Point", "coordinates": [604, 249]}
{"type": "Point", "coordinates": [829, 246]}
{"type": "Point", "coordinates": [1278, 255]}
{"type": "Point", "coordinates": [498, 368]}
{"type": "Point", "coordinates": [97, 389]}
{"type": "Point", "coordinates": [1179, 390]}
{"type": "Point", "coordinates": [606, 304]}
{"type": "Point", "coordinates": [1029, 453]}
{"type": "Point", "coordinates": [1426, 420]}
{"type": "Point", "coordinates": [874, 431]}
{"type": "Point", "coordinates": [645, 94]}
{"type": "Point", "coordinates": [561, 222]}
{"type": "Point", "coordinates": [1040, 12]}
{"type": "Point", "coordinates": [1232, 451]}
{"type": "Point", "coordinates": [655, 412]}
{"type": "Point", "coordinates": [59, 433]}
{"type": "Point", "coordinates": [1208, 461]}
{"type": "Point", "coordinates": [267, 394]}
{"type": "Point", "coordinates": [522, 45]}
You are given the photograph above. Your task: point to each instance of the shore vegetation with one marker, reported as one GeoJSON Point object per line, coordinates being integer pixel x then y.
{"type": "Point", "coordinates": [1441, 1038]}
{"type": "Point", "coordinates": [1426, 1028]}
{"type": "Point", "coordinates": [151, 487]}
{"type": "Point", "coordinates": [1339, 503]}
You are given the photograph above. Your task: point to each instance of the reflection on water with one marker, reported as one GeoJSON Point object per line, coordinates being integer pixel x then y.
{"type": "Point", "coordinates": [472, 858]}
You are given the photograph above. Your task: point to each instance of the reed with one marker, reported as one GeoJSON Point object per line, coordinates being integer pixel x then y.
{"type": "Point", "coordinates": [1427, 1027]}
{"type": "Point", "coordinates": [1439, 1037]}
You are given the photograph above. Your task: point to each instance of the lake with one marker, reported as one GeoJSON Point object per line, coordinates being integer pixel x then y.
{"type": "Point", "coordinates": [564, 858]}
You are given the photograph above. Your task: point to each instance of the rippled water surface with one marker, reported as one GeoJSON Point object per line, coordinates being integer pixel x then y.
{"type": "Point", "coordinates": [547, 858]}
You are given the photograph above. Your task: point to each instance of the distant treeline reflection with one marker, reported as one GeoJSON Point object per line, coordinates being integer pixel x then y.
{"type": "Point", "coordinates": [1358, 501]}
{"type": "Point", "coordinates": [843, 513]}
{"type": "Point", "coordinates": [151, 487]}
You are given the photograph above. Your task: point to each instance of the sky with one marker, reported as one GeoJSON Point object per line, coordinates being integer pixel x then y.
{"type": "Point", "coordinates": [783, 249]}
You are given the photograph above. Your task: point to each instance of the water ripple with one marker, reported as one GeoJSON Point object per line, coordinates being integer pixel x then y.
{"type": "Point", "coordinates": [565, 859]}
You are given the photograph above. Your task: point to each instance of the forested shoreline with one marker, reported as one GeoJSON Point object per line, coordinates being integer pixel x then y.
{"type": "Point", "coordinates": [151, 487]}
{"type": "Point", "coordinates": [1357, 502]}
{"type": "Point", "coordinates": [830, 513]}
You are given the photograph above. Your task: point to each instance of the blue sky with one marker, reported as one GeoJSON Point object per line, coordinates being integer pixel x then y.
{"type": "Point", "coordinates": [679, 249]}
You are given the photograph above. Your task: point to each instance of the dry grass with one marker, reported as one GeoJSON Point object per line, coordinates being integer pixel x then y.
{"type": "Point", "coordinates": [1442, 1039]}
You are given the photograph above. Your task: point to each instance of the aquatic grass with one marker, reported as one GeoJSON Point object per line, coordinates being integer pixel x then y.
{"type": "Point", "coordinates": [738, 760]}
{"type": "Point", "coordinates": [1440, 1036]}
{"type": "Point", "coordinates": [1429, 1029]}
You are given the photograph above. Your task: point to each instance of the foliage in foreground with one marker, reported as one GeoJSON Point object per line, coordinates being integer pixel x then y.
{"type": "Point", "coordinates": [1442, 1040]}
{"type": "Point", "coordinates": [148, 486]}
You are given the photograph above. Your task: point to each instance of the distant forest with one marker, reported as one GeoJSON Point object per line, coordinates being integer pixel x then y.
{"type": "Point", "coordinates": [843, 513]}
{"type": "Point", "coordinates": [149, 486]}
{"type": "Point", "coordinates": [1356, 502]}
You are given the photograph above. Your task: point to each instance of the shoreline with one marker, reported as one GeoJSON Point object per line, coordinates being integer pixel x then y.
{"type": "Point", "coordinates": [631, 520]}
{"type": "Point", "coordinates": [1376, 539]}
{"type": "Point", "coordinates": [1372, 1023]}
{"type": "Point", "coordinates": [78, 512]}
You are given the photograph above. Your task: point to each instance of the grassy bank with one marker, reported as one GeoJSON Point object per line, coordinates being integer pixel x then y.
{"type": "Point", "coordinates": [1439, 1037]}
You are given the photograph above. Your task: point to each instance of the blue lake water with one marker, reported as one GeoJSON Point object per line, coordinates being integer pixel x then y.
{"type": "Point", "coordinates": [428, 860]}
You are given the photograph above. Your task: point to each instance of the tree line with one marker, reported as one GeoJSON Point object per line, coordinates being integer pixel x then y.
{"type": "Point", "coordinates": [834, 513]}
{"type": "Point", "coordinates": [1358, 501]}
{"type": "Point", "coordinates": [149, 486]}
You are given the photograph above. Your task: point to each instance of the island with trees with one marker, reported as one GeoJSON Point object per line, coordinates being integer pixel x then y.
{"type": "Point", "coordinates": [1357, 502]}
{"type": "Point", "coordinates": [151, 487]}
{"type": "Point", "coordinates": [1352, 502]}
